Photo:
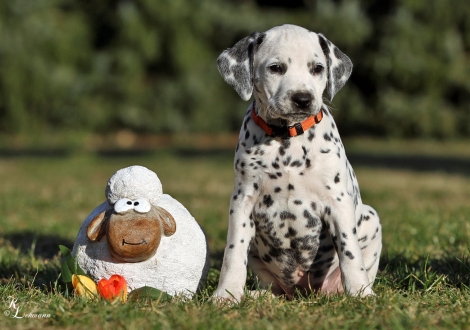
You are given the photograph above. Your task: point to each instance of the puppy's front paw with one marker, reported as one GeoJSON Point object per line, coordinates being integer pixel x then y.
{"type": "Point", "coordinates": [363, 292]}
{"type": "Point", "coordinates": [225, 297]}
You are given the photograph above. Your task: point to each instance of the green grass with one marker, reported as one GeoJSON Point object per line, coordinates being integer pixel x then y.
{"type": "Point", "coordinates": [423, 280]}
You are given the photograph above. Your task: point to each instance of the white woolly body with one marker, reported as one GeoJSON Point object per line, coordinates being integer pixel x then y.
{"type": "Point", "coordinates": [180, 265]}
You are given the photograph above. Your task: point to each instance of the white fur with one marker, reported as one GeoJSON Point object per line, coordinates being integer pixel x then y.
{"type": "Point", "coordinates": [326, 199]}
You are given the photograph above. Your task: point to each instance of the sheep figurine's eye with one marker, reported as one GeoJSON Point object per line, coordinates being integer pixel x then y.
{"type": "Point", "coordinates": [123, 205]}
{"type": "Point", "coordinates": [141, 205]}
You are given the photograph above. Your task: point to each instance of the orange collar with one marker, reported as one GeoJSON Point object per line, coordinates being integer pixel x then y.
{"type": "Point", "coordinates": [286, 132]}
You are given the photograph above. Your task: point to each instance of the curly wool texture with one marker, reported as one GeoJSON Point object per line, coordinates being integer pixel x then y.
{"type": "Point", "coordinates": [134, 182]}
{"type": "Point", "coordinates": [181, 263]}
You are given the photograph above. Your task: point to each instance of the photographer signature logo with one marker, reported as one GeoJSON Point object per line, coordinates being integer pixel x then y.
{"type": "Point", "coordinates": [14, 311]}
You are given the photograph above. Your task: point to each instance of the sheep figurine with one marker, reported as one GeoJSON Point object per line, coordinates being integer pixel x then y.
{"type": "Point", "coordinates": [145, 236]}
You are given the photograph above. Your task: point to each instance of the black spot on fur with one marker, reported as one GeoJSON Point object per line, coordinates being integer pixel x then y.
{"type": "Point", "coordinates": [324, 151]}
{"type": "Point", "coordinates": [349, 255]}
{"type": "Point", "coordinates": [267, 258]}
{"type": "Point", "coordinates": [298, 202]}
{"type": "Point", "coordinates": [231, 246]}
{"type": "Point", "coordinates": [296, 163]}
{"type": "Point", "coordinates": [326, 137]}
{"type": "Point", "coordinates": [255, 185]}
{"type": "Point", "coordinates": [287, 160]}
{"type": "Point", "coordinates": [328, 210]}
{"type": "Point", "coordinates": [267, 200]}
{"type": "Point", "coordinates": [311, 135]}
{"type": "Point", "coordinates": [291, 232]}
{"type": "Point", "coordinates": [284, 215]}
{"type": "Point", "coordinates": [337, 178]}
{"type": "Point", "coordinates": [285, 143]}
{"type": "Point", "coordinates": [277, 189]}
{"type": "Point", "coordinates": [290, 187]}
{"type": "Point", "coordinates": [275, 165]}
{"type": "Point", "coordinates": [312, 221]}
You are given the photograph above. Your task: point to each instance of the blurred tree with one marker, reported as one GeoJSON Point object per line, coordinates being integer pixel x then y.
{"type": "Point", "coordinates": [42, 53]}
{"type": "Point", "coordinates": [150, 66]}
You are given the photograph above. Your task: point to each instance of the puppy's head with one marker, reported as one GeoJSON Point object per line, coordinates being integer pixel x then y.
{"type": "Point", "coordinates": [288, 67]}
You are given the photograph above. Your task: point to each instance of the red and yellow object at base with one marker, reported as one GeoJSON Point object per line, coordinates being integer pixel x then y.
{"type": "Point", "coordinates": [84, 286]}
{"type": "Point", "coordinates": [113, 289]}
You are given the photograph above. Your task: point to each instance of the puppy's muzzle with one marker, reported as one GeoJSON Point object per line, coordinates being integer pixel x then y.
{"type": "Point", "coordinates": [302, 100]}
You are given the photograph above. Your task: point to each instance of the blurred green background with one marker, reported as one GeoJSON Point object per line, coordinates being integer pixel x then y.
{"type": "Point", "coordinates": [149, 66]}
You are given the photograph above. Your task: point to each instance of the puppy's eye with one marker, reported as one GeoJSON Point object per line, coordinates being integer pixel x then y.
{"type": "Point", "coordinates": [276, 68]}
{"type": "Point", "coordinates": [317, 69]}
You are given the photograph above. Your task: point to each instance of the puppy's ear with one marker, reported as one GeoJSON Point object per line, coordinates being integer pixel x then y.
{"type": "Point", "coordinates": [339, 66]}
{"type": "Point", "coordinates": [236, 64]}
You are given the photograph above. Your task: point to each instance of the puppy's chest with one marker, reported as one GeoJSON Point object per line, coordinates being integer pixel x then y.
{"type": "Point", "coordinates": [288, 207]}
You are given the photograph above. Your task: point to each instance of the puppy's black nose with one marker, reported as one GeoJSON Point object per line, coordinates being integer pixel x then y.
{"type": "Point", "coordinates": [302, 100]}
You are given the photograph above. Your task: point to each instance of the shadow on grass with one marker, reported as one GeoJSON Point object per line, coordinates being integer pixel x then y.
{"type": "Point", "coordinates": [42, 153]}
{"type": "Point", "coordinates": [419, 163]}
{"type": "Point", "coordinates": [424, 272]}
{"type": "Point", "coordinates": [178, 152]}
{"type": "Point", "coordinates": [406, 274]}
{"type": "Point", "coordinates": [216, 259]}
{"type": "Point", "coordinates": [39, 245]}
{"type": "Point", "coordinates": [31, 259]}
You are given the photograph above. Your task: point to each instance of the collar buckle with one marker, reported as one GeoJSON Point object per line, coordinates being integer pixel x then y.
{"type": "Point", "coordinates": [280, 131]}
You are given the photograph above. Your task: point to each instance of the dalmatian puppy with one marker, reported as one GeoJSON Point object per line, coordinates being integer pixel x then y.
{"type": "Point", "coordinates": [296, 215]}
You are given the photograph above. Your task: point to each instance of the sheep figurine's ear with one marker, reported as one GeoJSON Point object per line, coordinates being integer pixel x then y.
{"type": "Point", "coordinates": [339, 66]}
{"type": "Point", "coordinates": [236, 64]}
{"type": "Point", "coordinates": [97, 227]}
{"type": "Point", "coordinates": [167, 221]}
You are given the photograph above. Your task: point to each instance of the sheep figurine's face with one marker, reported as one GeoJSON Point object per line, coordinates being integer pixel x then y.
{"type": "Point", "coordinates": [133, 229]}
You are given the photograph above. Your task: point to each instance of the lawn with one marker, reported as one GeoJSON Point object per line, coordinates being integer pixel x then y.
{"type": "Point", "coordinates": [423, 280]}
